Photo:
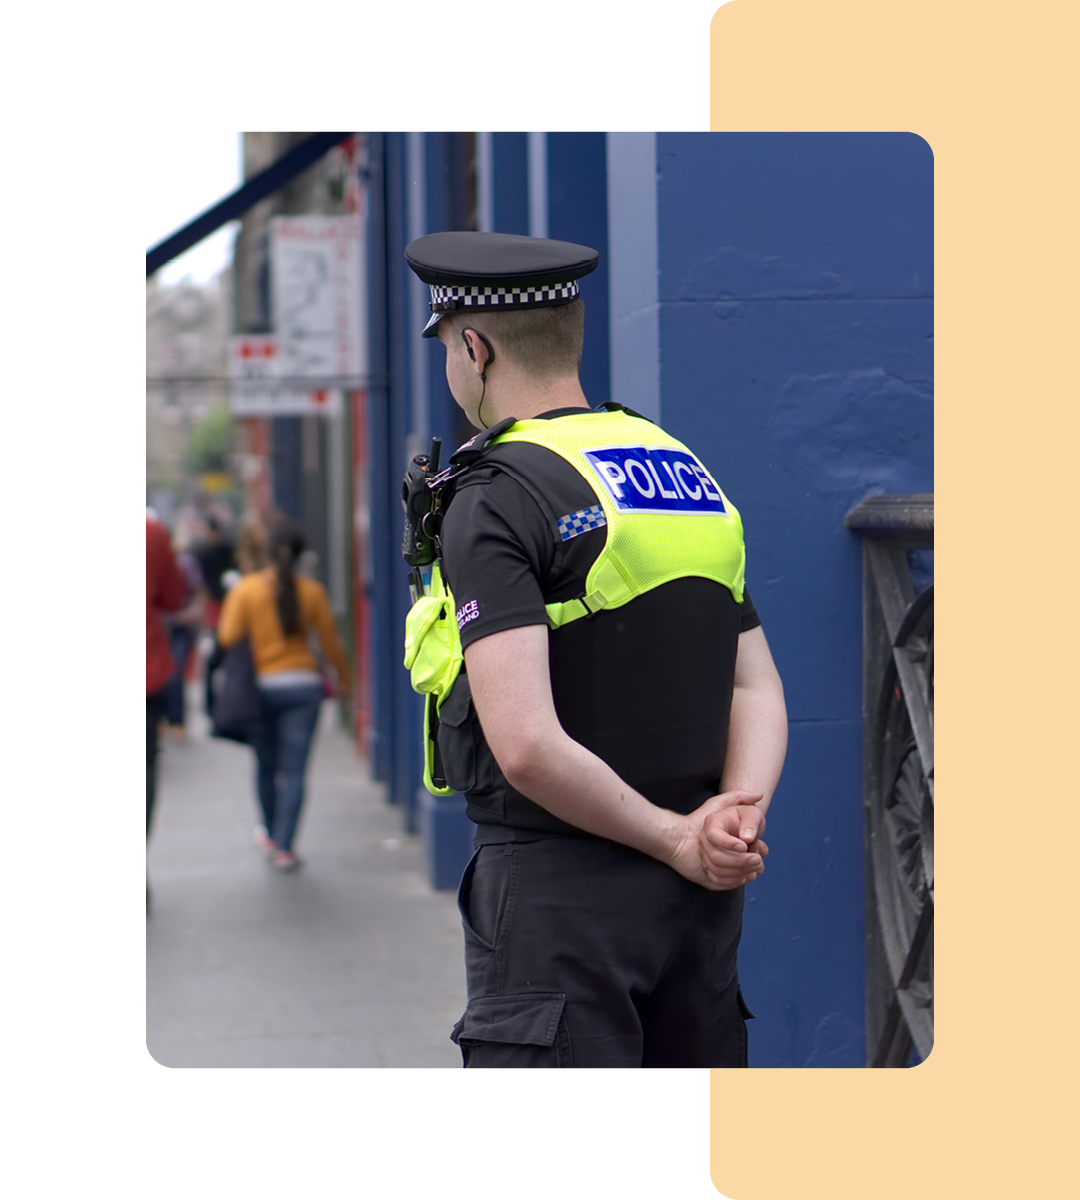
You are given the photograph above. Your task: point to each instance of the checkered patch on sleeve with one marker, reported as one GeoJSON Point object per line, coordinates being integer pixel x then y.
{"type": "Point", "coordinates": [581, 522]}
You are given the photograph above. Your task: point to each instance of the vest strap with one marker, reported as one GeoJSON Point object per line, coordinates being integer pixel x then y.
{"type": "Point", "coordinates": [563, 612]}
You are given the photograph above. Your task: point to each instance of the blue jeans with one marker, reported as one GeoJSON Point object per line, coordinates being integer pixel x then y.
{"type": "Point", "coordinates": [181, 642]}
{"type": "Point", "coordinates": [281, 753]}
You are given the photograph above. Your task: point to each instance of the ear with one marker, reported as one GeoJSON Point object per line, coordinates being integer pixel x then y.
{"type": "Point", "coordinates": [480, 350]}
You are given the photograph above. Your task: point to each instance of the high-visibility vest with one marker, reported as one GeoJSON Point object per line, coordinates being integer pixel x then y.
{"type": "Point", "coordinates": [665, 515]}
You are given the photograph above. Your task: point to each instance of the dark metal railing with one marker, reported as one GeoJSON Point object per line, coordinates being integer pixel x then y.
{"type": "Point", "coordinates": [898, 778]}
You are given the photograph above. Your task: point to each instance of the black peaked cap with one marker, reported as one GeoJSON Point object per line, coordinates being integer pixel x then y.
{"type": "Point", "coordinates": [492, 272]}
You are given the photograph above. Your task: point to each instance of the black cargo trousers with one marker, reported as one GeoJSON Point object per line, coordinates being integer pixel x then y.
{"type": "Point", "coordinates": [584, 953]}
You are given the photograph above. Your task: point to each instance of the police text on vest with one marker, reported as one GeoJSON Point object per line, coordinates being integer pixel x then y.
{"type": "Point", "coordinates": [656, 479]}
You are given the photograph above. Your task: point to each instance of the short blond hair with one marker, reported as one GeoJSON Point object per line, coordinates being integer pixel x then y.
{"type": "Point", "coordinates": [546, 342]}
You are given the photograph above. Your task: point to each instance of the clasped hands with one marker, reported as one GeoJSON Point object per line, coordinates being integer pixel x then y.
{"type": "Point", "coordinates": [722, 847]}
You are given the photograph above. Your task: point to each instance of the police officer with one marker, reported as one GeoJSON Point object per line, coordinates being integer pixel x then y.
{"type": "Point", "coordinates": [618, 726]}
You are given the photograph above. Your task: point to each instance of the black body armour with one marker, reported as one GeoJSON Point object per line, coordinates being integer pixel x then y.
{"type": "Point", "coordinates": [646, 687]}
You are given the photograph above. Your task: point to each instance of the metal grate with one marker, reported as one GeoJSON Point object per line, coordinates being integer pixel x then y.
{"type": "Point", "coordinates": [898, 779]}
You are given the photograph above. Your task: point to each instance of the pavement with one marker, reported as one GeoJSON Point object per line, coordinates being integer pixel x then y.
{"type": "Point", "coordinates": [351, 961]}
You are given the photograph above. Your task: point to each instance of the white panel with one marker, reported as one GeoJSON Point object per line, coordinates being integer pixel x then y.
{"type": "Point", "coordinates": [633, 265]}
{"type": "Point", "coordinates": [485, 184]}
{"type": "Point", "coordinates": [538, 184]}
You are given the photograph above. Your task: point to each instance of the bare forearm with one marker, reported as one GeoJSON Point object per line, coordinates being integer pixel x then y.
{"type": "Point", "coordinates": [579, 788]}
{"type": "Point", "coordinates": [508, 676]}
{"type": "Point", "coordinates": [757, 741]}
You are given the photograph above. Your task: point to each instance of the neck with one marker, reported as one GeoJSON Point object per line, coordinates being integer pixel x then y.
{"type": "Point", "coordinates": [522, 397]}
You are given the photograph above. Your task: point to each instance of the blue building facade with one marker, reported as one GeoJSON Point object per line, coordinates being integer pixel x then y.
{"type": "Point", "coordinates": [769, 299]}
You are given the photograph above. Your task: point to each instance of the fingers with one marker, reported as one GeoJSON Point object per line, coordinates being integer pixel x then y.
{"type": "Point", "coordinates": [719, 831]}
{"type": "Point", "coordinates": [732, 852]}
{"type": "Point", "coordinates": [733, 863]}
{"type": "Point", "coordinates": [734, 828]}
{"type": "Point", "coordinates": [726, 870]}
{"type": "Point", "coordinates": [751, 823]}
{"type": "Point", "coordinates": [735, 798]}
{"type": "Point", "coordinates": [746, 820]}
{"type": "Point", "coordinates": [726, 881]}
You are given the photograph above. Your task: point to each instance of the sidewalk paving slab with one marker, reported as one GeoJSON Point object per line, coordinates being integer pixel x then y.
{"type": "Point", "coordinates": [350, 961]}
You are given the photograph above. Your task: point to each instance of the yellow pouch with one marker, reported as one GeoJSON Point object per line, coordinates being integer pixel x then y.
{"type": "Point", "coordinates": [433, 658]}
{"type": "Point", "coordinates": [433, 655]}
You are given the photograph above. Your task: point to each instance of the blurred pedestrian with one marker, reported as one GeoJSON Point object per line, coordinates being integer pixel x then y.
{"type": "Point", "coordinates": [282, 613]}
{"type": "Point", "coordinates": [216, 554]}
{"type": "Point", "coordinates": [166, 590]}
{"type": "Point", "coordinates": [251, 550]}
{"type": "Point", "coordinates": [183, 627]}
{"type": "Point", "coordinates": [251, 555]}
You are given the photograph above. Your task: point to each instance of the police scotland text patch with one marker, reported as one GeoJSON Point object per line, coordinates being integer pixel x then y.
{"type": "Point", "coordinates": [466, 613]}
{"type": "Point", "coordinates": [657, 480]}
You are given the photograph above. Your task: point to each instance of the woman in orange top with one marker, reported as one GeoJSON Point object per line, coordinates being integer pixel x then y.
{"type": "Point", "coordinates": [280, 612]}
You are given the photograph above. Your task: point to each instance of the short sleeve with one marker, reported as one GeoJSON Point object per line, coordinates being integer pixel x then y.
{"type": "Point", "coordinates": [496, 548]}
{"type": "Point", "coordinates": [748, 617]}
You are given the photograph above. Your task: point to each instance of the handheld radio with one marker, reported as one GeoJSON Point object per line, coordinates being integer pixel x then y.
{"type": "Point", "coordinates": [418, 539]}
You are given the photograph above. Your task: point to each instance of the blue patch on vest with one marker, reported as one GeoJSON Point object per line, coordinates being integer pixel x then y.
{"type": "Point", "coordinates": [656, 480]}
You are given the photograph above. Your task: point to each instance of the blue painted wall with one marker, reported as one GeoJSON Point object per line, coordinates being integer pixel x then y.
{"type": "Point", "coordinates": [510, 183]}
{"type": "Point", "coordinates": [795, 310]}
{"type": "Point", "coordinates": [377, 233]}
{"type": "Point", "coordinates": [395, 727]}
{"type": "Point", "coordinates": [577, 212]}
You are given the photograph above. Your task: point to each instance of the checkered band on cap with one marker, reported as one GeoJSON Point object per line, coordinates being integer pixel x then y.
{"type": "Point", "coordinates": [458, 296]}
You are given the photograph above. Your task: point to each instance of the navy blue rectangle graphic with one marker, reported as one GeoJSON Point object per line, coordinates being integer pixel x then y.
{"type": "Point", "coordinates": [655, 480]}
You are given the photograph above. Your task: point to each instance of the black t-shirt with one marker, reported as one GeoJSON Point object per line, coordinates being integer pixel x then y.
{"type": "Point", "coordinates": [646, 686]}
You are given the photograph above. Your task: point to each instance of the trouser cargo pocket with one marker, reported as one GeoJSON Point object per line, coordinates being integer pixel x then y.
{"type": "Point", "coordinates": [514, 1031]}
{"type": "Point", "coordinates": [744, 1041]}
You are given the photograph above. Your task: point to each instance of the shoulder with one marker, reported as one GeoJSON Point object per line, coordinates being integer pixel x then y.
{"type": "Point", "coordinates": [513, 468]}
{"type": "Point", "coordinates": [311, 590]}
{"type": "Point", "coordinates": [249, 586]}
{"type": "Point", "coordinates": [490, 496]}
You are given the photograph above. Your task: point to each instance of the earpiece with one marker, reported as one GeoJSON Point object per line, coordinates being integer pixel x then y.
{"type": "Point", "coordinates": [487, 346]}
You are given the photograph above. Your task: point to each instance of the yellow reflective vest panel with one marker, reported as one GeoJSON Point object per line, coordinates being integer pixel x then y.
{"type": "Point", "coordinates": [666, 518]}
